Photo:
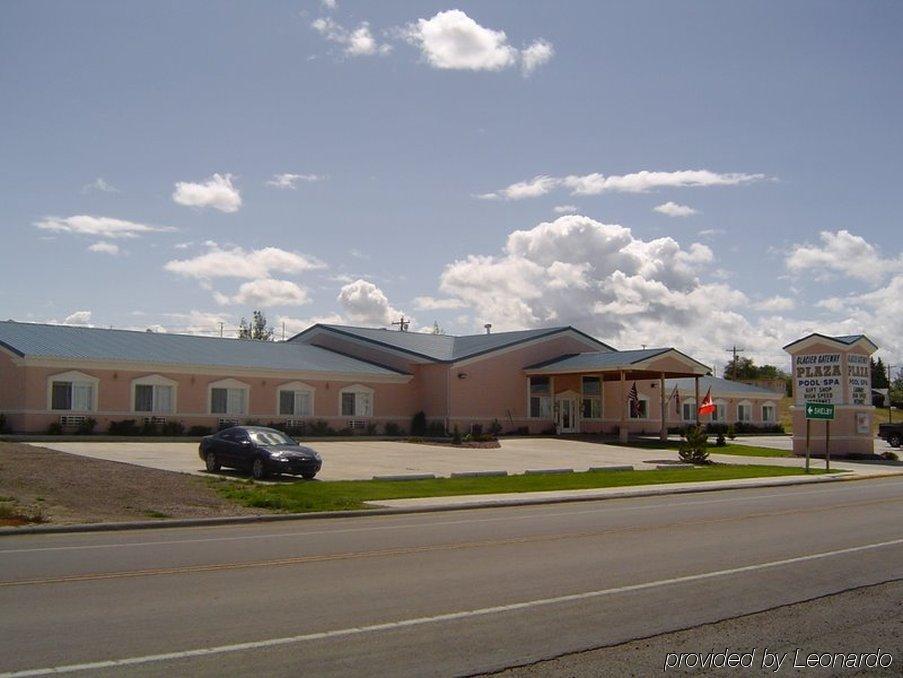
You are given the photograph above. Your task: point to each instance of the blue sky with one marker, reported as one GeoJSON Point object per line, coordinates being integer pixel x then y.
{"type": "Point", "coordinates": [402, 117]}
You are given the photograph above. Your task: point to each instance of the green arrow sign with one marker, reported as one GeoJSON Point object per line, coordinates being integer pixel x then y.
{"type": "Point", "coordinates": [820, 411]}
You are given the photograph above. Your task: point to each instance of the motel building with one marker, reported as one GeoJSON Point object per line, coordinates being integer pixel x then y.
{"type": "Point", "coordinates": [553, 380]}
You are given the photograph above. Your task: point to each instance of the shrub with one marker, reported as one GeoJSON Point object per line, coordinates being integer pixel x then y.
{"type": "Point", "coordinates": [890, 456]}
{"type": "Point", "coordinates": [252, 422]}
{"type": "Point", "coordinates": [54, 428]}
{"type": "Point", "coordinates": [3, 425]}
{"type": "Point", "coordinates": [415, 439]}
{"type": "Point", "coordinates": [126, 427]}
{"type": "Point", "coordinates": [199, 431]}
{"type": "Point", "coordinates": [321, 428]}
{"type": "Point", "coordinates": [418, 424]}
{"type": "Point", "coordinates": [392, 429]}
{"type": "Point", "coordinates": [173, 428]}
{"type": "Point", "coordinates": [476, 429]}
{"type": "Point", "coordinates": [86, 427]}
{"type": "Point", "coordinates": [456, 436]}
{"type": "Point", "coordinates": [149, 428]}
{"type": "Point", "coordinates": [436, 429]}
{"type": "Point", "coordinates": [495, 428]}
{"type": "Point", "coordinates": [720, 441]}
{"type": "Point", "coordinates": [468, 437]}
{"type": "Point", "coordinates": [371, 428]}
{"type": "Point", "coordinates": [694, 448]}
{"type": "Point", "coordinates": [519, 431]}
{"type": "Point", "coordinates": [731, 432]}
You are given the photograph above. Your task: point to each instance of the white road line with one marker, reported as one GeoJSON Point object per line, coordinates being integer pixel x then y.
{"type": "Point", "coordinates": [445, 523]}
{"type": "Point", "coordinates": [451, 616]}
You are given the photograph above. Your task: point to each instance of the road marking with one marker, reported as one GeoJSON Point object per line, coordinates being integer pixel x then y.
{"type": "Point", "coordinates": [410, 550]}
{"type": "Point", "coordinates": [451, 616]}
{"type": "Point", "coordinates": [446, 523]}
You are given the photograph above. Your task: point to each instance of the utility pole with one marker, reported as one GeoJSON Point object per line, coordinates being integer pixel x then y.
{"type": "Point", "coordinates": [736, 352]}
{"type": "Point", "coordinates": [890, 383]}
{"type": "Point", "coordinates": [283, 330]}
{"type": "Point", "coordinates": [221, 330]}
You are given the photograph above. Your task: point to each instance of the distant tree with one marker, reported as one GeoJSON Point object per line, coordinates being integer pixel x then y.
{"type": "Point", "coordinates": [896, 390]}
{"type": "Point", "coordinates": [741, 368]}
{"type": "Point", "coordinates": [257, 329]}
{"type": "Point", "coordinates": [436, 328]}
{"type": "Point", "coordinates": [879, 374]}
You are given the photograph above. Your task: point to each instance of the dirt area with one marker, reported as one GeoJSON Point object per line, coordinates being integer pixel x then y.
{"type": "Point", "coordinates": [42, 485]}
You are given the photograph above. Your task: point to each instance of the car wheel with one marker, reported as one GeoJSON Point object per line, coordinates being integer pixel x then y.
{"type": "Point", "coordinates": [213, 465]}
{"type": "Point", "coordinates": [308, 476]}
{"type": "Point", "coordinates": [258, 469]}
{"type": "Point", "coordinates": [894, 440]}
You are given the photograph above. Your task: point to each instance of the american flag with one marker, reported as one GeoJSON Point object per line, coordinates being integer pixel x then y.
{"type": "Point", "coordinates": [633, 397]}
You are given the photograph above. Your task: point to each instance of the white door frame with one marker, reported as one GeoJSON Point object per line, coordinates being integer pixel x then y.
{"type": "Point", "coordinates": [573, 403]}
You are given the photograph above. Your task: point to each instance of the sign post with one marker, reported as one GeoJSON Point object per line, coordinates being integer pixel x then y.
{"type": "Point", "coordinates": [823, 412]}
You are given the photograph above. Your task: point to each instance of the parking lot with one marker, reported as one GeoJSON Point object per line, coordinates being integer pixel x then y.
{"type": "Point", "coordinates": [364, 459]}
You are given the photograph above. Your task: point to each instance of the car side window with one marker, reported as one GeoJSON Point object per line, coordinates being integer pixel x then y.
{"type": "Point", "coordinates": [228, 436]}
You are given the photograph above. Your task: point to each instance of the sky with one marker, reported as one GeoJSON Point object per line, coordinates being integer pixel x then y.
{"type": "Point", "coordinates": [694, 174]}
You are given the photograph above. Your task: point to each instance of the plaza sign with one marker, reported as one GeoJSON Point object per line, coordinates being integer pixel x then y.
{"type": "Point", "coordinates": [818, 378]}
{"type": "Point", "coordinates": [819, 411]}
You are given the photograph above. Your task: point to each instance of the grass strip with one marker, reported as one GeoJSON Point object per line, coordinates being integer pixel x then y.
{"type": "Point", "coordinates": [730, 448]}
{"type": "Point", "coordinates": [304, 496]}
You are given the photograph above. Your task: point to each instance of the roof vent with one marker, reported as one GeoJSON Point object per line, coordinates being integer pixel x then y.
{"type": "Point", "coordinates": [488, 327]}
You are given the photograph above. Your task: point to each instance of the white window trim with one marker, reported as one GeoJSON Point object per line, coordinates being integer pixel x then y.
{"type": "Point", "coordinates": [601, 398]}
{"type": "Point", "coordinates": [156, 380]}
{"type": "Point", "coordinates": [229, 383]}
{"type": "Point", "coordinates": [295, 387]}
{"type": "Point", "coordinates": [720, 403]}
{"type": "Point", "coordinates": [76, 378]}
{"type": "Point", "coordinates": [693, 410]}
{"type": "Point", "coordinates": [642, 398]}
{"type": "Point", "coordinates": [357, 388]}
{"type": "Point", "coordinates": [769, 403]}
{"type": "Point", "coordinates": [745, 403]}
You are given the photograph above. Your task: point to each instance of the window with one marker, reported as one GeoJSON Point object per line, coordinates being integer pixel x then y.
{"type": "Point", "coordinates": [642, 409]}
{"type": "Point", "coordinates": [720, 413]}
{"type": "Point", "coordinates": [768, 413]}
{"type": "Point", "coordinates": [228, 396]}
{"type": "Point", "coordinates": [592, 398]}
{"type": "Point", "coordinates": [271, 438]}
{"type": "Point", "coordinates": [688, 410]}
{"type": "Point", "coordinates": [540, 398]}
{"type": "Point", "coordinates": [744, 412]}
{"type": "Point", "coordinates": [73, 392]}
{"type": "Point", "coordinates": [296, 400]}
{"type": "Point", "coordinates": [356, 401]}
{"type": "Point", "coordinates": [153, 398]}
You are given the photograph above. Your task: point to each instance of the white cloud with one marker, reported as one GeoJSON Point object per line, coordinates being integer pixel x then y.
{"type": "Point", "coordinates": [357, 42]}
{"type": "Point", "coordinates": [295, 325]}
{"type": "Point", "coordinates": [775, 304]}
{"type": "Point", "coordinates": [673, 209]}
{"type": "Point", "coordinates": [288, 180]}
{"type": "Point", "coordinates": [710, 232]}
{"type": "Point", "coordinates": [198, 322]}
{"type": "Point", "coordinates": [536, 55]}
{"type": "Point", "coordinates": [100, 184]}
{"type": "Point", "coordinates": [434, 304]}
{"type": "Point", "coordinates": [78, 318]}
{"type": "Point", "coordinates": [636, 182]}
{"type": "Point", "coordinates": [451, 40]}
{"type": "Point", "coordinates": [266, 292]}
{"type": "Point", "coordinates": [105, 227]}
{"type": "Point", "coordinates": [105, 247]}
{"type": "Point", "coordinates": [217, 192]}
{"type": "Point", "coordinates": [329, 4]}
{"type": "Point", "coordinates": [844, 253]}
{"type": "Point", "coordinates": [365, 304]}
{"type": "Point", "coordinates": [236, 262]}
{"type": "Point", "coordinates": [565, 209]}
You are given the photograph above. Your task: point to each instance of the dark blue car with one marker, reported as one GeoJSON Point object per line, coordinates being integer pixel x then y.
{"type": "Point", "coordinates": [260, 451]}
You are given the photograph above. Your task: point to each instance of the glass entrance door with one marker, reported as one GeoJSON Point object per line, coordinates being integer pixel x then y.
{"type": "Point", "coordinates": [567, 415]}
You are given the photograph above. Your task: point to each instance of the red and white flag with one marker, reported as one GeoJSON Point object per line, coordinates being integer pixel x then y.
{"type": "Point", "coordinates": [707, 406]}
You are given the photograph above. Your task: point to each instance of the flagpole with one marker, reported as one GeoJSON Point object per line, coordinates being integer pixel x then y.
{"type": "Point", "coordinates": [696, 385]}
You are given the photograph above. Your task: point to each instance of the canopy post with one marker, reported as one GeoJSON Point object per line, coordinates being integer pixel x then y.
{"type": "Point", "coordinates": [664, 432]}
{"type": "Point", "coordinates": [696, 385]}
{"type": "Point", "coordinates": [622, 429]}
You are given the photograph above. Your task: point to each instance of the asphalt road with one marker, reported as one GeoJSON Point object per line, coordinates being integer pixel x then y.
{"type": "Point", "coordinates": [435, 594]}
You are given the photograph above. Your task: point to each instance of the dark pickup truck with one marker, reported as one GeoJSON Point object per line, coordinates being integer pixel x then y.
{"type": "Point", "coordinates": [892, 433]}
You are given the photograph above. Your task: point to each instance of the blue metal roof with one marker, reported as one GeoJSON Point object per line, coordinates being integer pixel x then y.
{"type": "Point", "coordinates": [445, 347]}
{"type": "Point", "coordinates": [596, 361]}
{"type": "Point", "coordinates": [720, 386]}
{"type": "Point", "coordinates": [34, 340]}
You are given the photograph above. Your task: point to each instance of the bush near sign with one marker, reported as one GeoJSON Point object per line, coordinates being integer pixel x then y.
{"type": "Point", "coordinates": [820, 411]}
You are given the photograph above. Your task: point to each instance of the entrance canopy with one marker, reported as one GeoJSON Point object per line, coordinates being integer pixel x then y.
{"type": "Point", "coordinates": [644, 364]}
{"type": "Point", "coordinates": [640, 364]}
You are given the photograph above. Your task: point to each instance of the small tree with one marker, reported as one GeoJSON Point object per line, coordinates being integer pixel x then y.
{"type": "Point", "coordinates": [257, 329]}
{"type": "Point", "coordinates": [694, 448]}
{"type": "Point", "coordinates": [418, 424]}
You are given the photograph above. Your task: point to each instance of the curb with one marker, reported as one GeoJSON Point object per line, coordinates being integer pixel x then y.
{"type": "Point", "coordinates": [513, 501]}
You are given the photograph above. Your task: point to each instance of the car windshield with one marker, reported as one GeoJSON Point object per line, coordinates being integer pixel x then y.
{"type": "Point", "coordinates": [271, 438]}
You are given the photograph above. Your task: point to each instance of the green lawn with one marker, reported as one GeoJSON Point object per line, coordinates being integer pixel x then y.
{"type": "Point", "coordinates": [304, 496]}
{"type": "Point", "coordinates": [730, 448]}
